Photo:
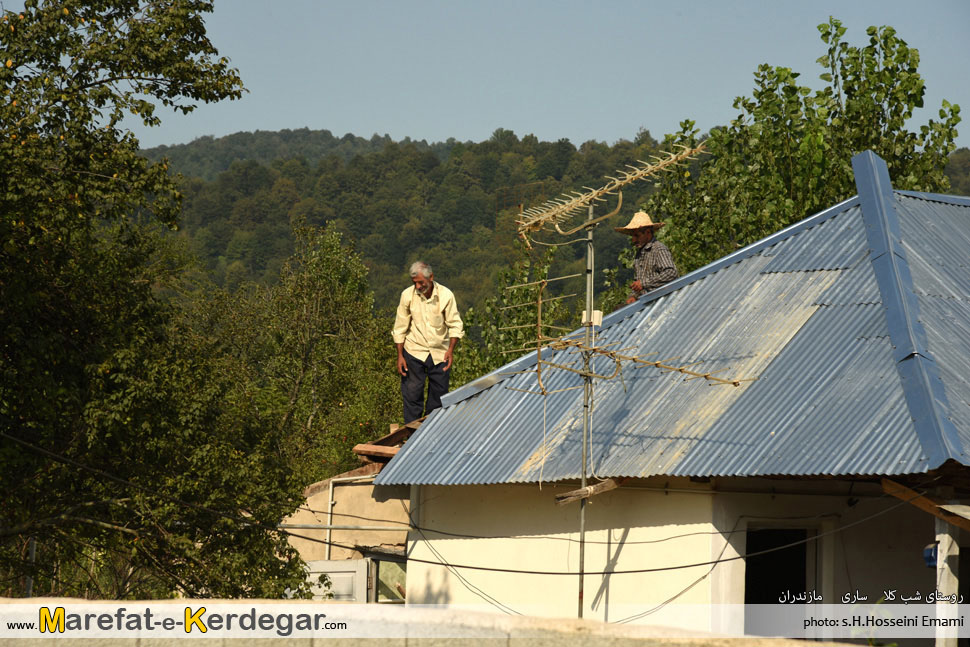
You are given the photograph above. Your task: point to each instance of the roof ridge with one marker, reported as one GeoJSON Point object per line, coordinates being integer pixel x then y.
{"type": "Point", "coordinates": [918, 371]}
{"type": "Point", "coordinates": [957, 200]}
{"type": "Point", "coordinates": [527, 359]}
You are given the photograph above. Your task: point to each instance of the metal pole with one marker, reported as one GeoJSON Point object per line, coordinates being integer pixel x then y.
{"type": "Point", "coordinates": [587, 397]}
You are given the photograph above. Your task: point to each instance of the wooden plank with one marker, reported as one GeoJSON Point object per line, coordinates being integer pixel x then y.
{"type": "Point", "coordinates": [399, 433]}
{"type": "Point", "coordinates": [924, 503]}
{"type": "Point", "coordinates": [590, 490]}
{"type": "Point", "coordinates": [381, 451]}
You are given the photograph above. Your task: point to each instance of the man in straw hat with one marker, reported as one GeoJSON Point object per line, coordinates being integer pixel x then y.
{"type": "Point", "coordinates": [653, 265]}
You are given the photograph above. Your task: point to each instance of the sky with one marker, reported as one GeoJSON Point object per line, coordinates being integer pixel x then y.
{"type": "Point", "coordinates": [577, 69]}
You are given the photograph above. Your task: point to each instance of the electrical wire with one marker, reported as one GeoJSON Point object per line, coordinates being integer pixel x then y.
{"type": "Point", "coordinates": [249, 522]}
{"type": "Point", "coordinates": [525, 537]}
{"type": "Point", "coordinates": [685, 589]}
{"type": "Point", "coordinates": [660, 569]}
{"type": "Point", "coordinates": [243, 521]}
{"type": "Point", "coordinates": [467, 584]}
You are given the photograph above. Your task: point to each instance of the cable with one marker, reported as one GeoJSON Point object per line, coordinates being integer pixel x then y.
{"type": "Point", "coordinates": [551, 537]}
{"type": "Point", "coordinates": [471, 587]}
{"type": "Point", "coordinates": [246, 522]}
{"type": "Point", "coordinates": [543, 537]}
{"type": "Point", "coordinates": [659, 568]}
{"type": "Point", "coordinates": [452, 568]}
{"type": "Point", "coordinates": [684, 590]}
{"type": "Point", "coordinates": [250, 522]}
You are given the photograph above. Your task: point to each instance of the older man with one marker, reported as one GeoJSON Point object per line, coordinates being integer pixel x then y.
{"type": "Point", "coordinates": [653, 265]}
{"type": "Point", "coordinates": [426, 330]}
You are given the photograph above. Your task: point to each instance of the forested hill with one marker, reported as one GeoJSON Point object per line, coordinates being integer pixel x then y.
{"type": "Point", "coordinates": [450, 203]}
{"type": "Point", "coordinates": [394, 205]}
{"type": "Point", "coordinates": [206, 157]}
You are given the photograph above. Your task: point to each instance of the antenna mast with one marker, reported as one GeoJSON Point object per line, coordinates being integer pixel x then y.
{"type": "Point", "coordinates": [551, 216]}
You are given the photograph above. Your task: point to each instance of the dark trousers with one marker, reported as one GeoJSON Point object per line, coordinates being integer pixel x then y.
{"type": "Point", "coordinates": [412, 386]}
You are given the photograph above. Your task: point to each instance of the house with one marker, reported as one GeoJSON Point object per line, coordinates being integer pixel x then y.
{"type": "Point", "coordinates": [846, 441]}
{"type": "Point", "coordinates": [355, 532]}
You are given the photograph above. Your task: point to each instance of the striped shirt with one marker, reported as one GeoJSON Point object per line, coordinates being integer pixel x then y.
{"type": "Point", "coordinates": [653, 266]}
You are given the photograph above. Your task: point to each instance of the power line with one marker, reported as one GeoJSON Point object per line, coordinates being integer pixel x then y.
{"type": "Point", "coordinates": [273, 528]}
{"type": "Point", "coordinates": [657, 569]}
{"type": "Point", "coordinates": [447, 533]}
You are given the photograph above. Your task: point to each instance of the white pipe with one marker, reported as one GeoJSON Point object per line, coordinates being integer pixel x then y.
{"type": "Point", "coordinates": [332, 503]}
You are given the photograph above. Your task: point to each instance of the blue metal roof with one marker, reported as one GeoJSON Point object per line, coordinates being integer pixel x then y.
{"type": "Point", "coordinates": [854, 325]}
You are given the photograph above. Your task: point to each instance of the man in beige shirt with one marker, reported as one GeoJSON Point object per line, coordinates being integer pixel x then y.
{"type": "Point", "coordinates": [426, 330]}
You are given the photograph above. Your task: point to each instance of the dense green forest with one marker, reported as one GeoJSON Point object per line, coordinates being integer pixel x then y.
{"type": "Point", "coordinates": [207, 157]}
{"type": "Point", "coordinates": [181, 355]}
{"type": "Point", "coordinates": [403, 202]}
{"type": "Point", "coordinates": [396, 205]}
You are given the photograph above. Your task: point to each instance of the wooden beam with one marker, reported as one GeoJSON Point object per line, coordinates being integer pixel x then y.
{"type": "Point", "coordinates": [589, 490]}
{"type": "Point", "coordinates": [399, 433]}
{"type": "Point", "coordinates": [924, 503]}
{"type": "Point", "coordinates": [381, 451]}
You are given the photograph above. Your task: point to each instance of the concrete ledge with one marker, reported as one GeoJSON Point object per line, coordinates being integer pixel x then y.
{"type": "Point", "coordinates": [403, 626]}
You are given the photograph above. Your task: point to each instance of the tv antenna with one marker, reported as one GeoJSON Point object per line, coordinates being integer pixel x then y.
{"type": "Point", "coordinates": [554, 216]}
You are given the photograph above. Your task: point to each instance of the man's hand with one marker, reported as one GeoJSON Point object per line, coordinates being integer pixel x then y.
{"type": "Point", "coordinates": [630, 299]}
{"type": "Point", "coordinates": [637, 287]}
{"type": "Point", "coordinates": [450, 353]}
{"type": "Point", "coordinates": [402, 366]}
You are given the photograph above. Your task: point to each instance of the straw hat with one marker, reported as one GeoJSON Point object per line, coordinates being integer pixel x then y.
{"type": "Point", "coordinates": [640, 220]}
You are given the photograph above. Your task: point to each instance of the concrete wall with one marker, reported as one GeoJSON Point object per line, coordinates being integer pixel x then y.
{"type": "Point", "coordinates": [866, 542]}
{"type": "Point", "coordinates": [627, 528]}
{"type": "Point", "coordinates": [356, 503]}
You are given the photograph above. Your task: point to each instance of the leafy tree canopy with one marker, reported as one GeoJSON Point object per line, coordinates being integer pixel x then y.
{"type": "Point", "coordinates": [788, 153]}
{"type": "Point", "coordinates": [119, 468]}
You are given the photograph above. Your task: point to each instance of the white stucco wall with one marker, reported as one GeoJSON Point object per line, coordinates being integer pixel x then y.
{"type": "Point", "coordinates": [627, 529]}
{"type": "Point", "coordinates": [866, 542]}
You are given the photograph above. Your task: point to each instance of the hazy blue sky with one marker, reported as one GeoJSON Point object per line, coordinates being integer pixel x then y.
{"type": "Point", "coordinates": [434, 69]}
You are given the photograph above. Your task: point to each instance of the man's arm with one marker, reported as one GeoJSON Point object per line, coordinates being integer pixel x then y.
{"type": "Point", "coordinates": [402, 365]}
{"type": "Point", "coordinates": [453, 322]}
{"type": "Point", "coordinates": [455, 326]}
{"type": "Point", "coordinates": [450, 353]}
{"type": "Point", "coordinates": [402, 321]}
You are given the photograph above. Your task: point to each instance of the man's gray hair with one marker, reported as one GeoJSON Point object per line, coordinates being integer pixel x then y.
{"type": "Point", "coordinates": [422, 268]}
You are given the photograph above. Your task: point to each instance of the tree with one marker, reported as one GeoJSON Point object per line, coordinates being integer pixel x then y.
{"type": "Point", "coordinates": [505, 324]}
{"type": "Point", "coordinates": [118, 466]}
{"type": "Point", "coordinates": [307, 367]}
{"type": "Point", "coordinates": [958, 171]}
{"type": "Point", "coordinates": [788, 153]}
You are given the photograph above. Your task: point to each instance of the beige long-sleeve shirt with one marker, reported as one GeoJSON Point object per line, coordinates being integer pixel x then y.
{"type": "Point", "coordinates": [425, 325]}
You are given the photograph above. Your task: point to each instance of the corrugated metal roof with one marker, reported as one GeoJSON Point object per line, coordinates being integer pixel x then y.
{"type": "Point", "coordinates": [803, 311]}
{"type": "Point", "coordinates": [936, 237]}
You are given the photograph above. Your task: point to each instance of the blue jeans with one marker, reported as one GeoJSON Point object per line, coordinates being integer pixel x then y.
{"type": "Point", "coordinates": [412, 386]}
